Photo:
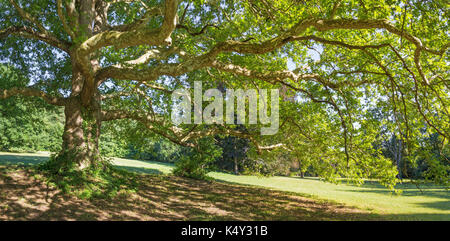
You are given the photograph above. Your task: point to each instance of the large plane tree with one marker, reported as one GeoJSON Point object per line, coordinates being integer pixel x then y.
{"type": "Point", "coordinates": [337, 64]}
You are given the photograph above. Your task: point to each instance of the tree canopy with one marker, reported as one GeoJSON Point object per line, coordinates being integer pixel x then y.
{"type": "Point", "coordinates": [347, 70]}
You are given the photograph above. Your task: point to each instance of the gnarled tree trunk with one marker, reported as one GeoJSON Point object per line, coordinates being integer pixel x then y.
{"type": "Point", "coordinates": [236, 166]}
{"type": "Point", "coordinates": [81, 133]}
{"type": "Point", "coordinates": [82, 125]}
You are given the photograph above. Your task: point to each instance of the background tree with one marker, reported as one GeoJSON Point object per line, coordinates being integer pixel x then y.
{"type": "Point", "coordinates": [234, 151]}
{"type": "Point", "coordinates": [27, 124]}
{"type": "Point", "coordinates": [121, 59]}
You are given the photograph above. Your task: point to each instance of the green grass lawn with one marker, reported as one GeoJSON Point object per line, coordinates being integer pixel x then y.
{"type": "Point", "coordinates": [432, 204]}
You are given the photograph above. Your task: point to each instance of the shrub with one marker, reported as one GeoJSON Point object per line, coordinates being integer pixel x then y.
{"type": "Point", "coordinates": [196, 162]}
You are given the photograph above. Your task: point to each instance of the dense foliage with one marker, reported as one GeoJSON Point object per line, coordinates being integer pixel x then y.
{"type": "Point", "coordinates": [27, 124]}
{"type": "Point", "coordinates": [364, 84]}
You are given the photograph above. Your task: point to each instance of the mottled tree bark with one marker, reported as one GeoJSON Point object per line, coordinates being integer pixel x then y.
{"type": "Point", "coordinates": [82, 124]}
{"type": "Point", "coordinates": [82, 133]}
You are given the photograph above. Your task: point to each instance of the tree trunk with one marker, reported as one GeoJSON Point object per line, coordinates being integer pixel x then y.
{"type": "Point", "coordinates": [399, 159]}
{"type": "Point", "coordinates": [81, 134]}
{"type": "Point", "coordinates": [302, 174]}
{"type": "Point", "coordinates": [236, 167]}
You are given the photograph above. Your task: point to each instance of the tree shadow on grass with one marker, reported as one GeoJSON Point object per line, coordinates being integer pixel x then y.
{"type": "Point", "coordinates": [442, 205]}
{"type": "Point", "coordinates": [21, 160]}
{"type": "Point", "coordinates": [417, 217]}
{"type": "Point", "coordinates": [406, 188]}
{"type": "Point", "coordinates": [140, 170]}
{"type": "Point", "coordinates": [405, 185]}
{"type": "Point", "coordinates": [439, 205]}
{"type": "Point", "coordinates": [435, 192]}
{"type": "Point", "coordinates": [162, 197]}
{"type": "Point", "coordinates": [166, 164]}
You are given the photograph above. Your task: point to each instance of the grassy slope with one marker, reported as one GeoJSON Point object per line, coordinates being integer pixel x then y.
{"type": "Point", "coordinates": [433, 204]}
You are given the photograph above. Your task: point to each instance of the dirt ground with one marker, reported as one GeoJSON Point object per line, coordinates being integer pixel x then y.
{"type": "Point", "coordinates": [24, 197]}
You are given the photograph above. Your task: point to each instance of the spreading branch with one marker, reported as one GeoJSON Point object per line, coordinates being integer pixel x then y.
{"type": "Point", "coordinates": [4, 94]}
{"type": "Point", "coordinates": [134, 36]}
{"type": "Point", "coordinates": [27, 32]}
{"type": "Point", "coordinates": [207, 60]}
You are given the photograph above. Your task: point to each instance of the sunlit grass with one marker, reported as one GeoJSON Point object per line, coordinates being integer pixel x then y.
{"type": "Point", "coordinates": [433, 204]}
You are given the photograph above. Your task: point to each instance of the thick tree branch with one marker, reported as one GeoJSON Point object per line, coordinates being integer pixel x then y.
{"type": "Point", "coordinates": [73, 14]}
{"type": "Point", "coordinates": [177, 136]}
{"type": "Point", "coordinates": [152, 73]}
{"type": "Point", "coordinates": [28, 32]}
{"type": "Point", "coordinates": [26, 16]}
{"type": "Point", "coordinates": [335, 8]}
{"type": "Point", "coordinates": [279, 76]}
{"type": "Point", "coordinates": [43, 33]}
{"type": "Point", "coordinates": [4, 94]}
{"type": "Point", "coordinates": [159, 54]}
{"type": "Point", "coordinates": [190, 32]}
{"type": "Point", "coordinates": [223, 129]}
{"type": "Point", "coordinates": [63, 19]}
{"type": "Point", "coordinates": [144, 35]}
{"type": "Point", "coordinates": [265, 47]}
{"type": "Point", "coordinates": [152, 12]}
{"type": "Point", "coordinates": [134, 37]}
{"type": "Point", "coordinates": [151, 122]}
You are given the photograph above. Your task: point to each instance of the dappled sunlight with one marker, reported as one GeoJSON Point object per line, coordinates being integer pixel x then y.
{"type": "Point", "coordinates": [370, 196]}
{"type": "Point", "coordinates": [162, 198]}
{"type": "Point", "coordinates": [22, 158]}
